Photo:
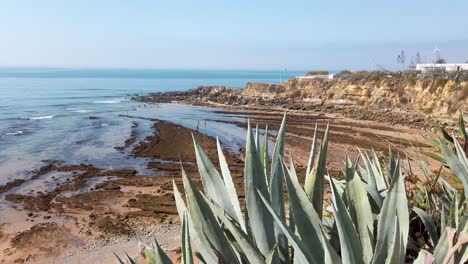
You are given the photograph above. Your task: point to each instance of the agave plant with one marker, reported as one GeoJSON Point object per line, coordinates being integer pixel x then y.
{"type": "Point", "coordinates": [370, 211]}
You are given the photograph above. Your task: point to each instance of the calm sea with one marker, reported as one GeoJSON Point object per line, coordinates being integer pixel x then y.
{"type": "Point", "coordinates": [74, 114]}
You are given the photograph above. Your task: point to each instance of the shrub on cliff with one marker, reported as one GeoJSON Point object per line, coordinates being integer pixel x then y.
{"type": "Point", "coordinates": [310, 73]}
{"type": "Point", "coordinates": [367, 76]}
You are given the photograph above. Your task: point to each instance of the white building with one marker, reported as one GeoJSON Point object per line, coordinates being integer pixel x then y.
{"type": "Point", "coordinates": [322, 76]}
{"type": "Point", "coordinates": [445, 66]}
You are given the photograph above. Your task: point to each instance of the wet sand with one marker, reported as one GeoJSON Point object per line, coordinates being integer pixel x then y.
{"type": "Point", "coordinates": [65, 212]}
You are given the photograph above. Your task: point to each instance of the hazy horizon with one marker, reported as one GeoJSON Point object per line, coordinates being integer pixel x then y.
{"type": "Point", "coordinates": [245, 35]}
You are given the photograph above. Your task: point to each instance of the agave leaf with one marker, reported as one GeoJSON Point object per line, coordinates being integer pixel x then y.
{"type": "Point", "coordinates": [395, 204]}
{"type": "Point", "coordinates": [292, 172]}
{"type": "Point", "coordinates": [257, 140]}
{"type": "Point", "coordinates": [375, 197]}
{"type": "Point", "coordinates": [376, 179]}
{"type": "Point", "coordinates": [397, 251]}
{"type": "Point", "coordinates": [179, 201]}
{"type": "Point", "coordinates": [119, 259]}
{"type": "Point", "coordinates": [187, 256]}
{"type": "Point", "coordinates": [444, 245]}
{"type": "Point", "coordinates": [461, 127]}
{"type": "Point", "coordinates": [379, 177]}
{"type": "Point", "coordinates": [264, 156]}
{"type": "Point", "coordinates": [314, 182]}
{"type": "Point", "coordinates": [351, 248]}
{"type": "Point", "coordinates": [456, 166]}
{"type": "Point", "coordinates": [205, 251]}
{"type": "Point", "coordinates": [313, 151]}
{"type": "Point", "coordinates": [377, 162]}
{"type": "Point", "coordinates": [259, 220]}
{"type": "Point", "coordinates": [130, 260]}
{"type": "Point", "coordinates": [231, 189]}
{"type": "Point", "coordinates": [460, 249]}
{"type": "Point", "coordinates": [443, 133]}
{"type": "Point", "coordinates": [306, 218]}
{"type": "Point", "coordinates": [248, 248]}
{"type": "Point", "coordinates": [433, 156]}
{"type": "Point", "coordinates": [424, 257]}
{"type": "Point", "coordinates": [301, 251]}
{"type": "Point", "coordinates": [156, 255]}
{"type": "Point", "coordinates": [391, 162]}
{"type": "Point", "coordinates": [276, 190]}
{"type": "Point", "coordinates": [454, 220]}
{"type": "Point", "coordinates": [443, 220]}
{"type": "Point", "coordinates": [212, 182]}
{"type": "Point", "coordinates": [360, 210]}
{"type": "Point", "coordinates": [270, 259]}
{"type": "Point", "coordinates": [461, 154]}
{"type": "Point", "coordinates": [205, 222]}
{"type": "Point", "coordinates": [428, 222]}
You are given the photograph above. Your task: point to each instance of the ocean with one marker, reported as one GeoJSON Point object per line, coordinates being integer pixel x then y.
{"type": "Point", "coordinates": [76, 115]}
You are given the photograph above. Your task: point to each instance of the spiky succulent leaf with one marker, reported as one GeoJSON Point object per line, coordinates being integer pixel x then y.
{"type": "Point", "coordinates": [229, 183]}
{"type": "Point", "coordinates": [395, 204]}
{"type": "Point", "coordinates": [314, 183]}
{"type": "Point", "coordinates": [119, 259]}
{"type": "Point", "coordinates": [156, 255]}
{"type": "Point", "coordinates": [130, 260]}
{"type": "Point", "coordinates": [301, 252]}
{"type": "Point", "coordinates": [265, 156]}
{"type": "Point", "coordinates": [360, 210]}
{"type": "Point", "coordinates": [308, 224]}
{"type": "Point", "coordinates": [433, 156]}
{"type": "Point", "coordinates": [461, 155]}
{"type": "Point", "coordinates": [398, 250]}
{"type": "Point", "coordinates": [307, 221]}
{"type": "Point", "coordinates": [205, 222]}
{"type": "Point", "coordinates": [424, 257]}
{"type": "Point", "coordinates": [461, 127]}
{"type": "Point", "coordinates": [205, 251]}
{"type": "Point", "coordinates": [456, 165]}
{"type": "Point", "coordinates": [212, 182]}
{"type": "Point", "coordinates": [259, 220]}
{"type": "Point", "coordinates": [428, 222]}
{"type": "Point", "coordinates": [443, 247]}
{"type": "Point", "coordinates": [248, 249]}
{"type": "Point", "coordinates": [351, 248]}
{"type": "Point", "coordinates": [445, 135]}
{"type": "Point", "coordinates": [187, 255]}
{"type": "Point", "coordinates": [313, 150]}
{"type": "Point", "coordinates": [272, 256]}
{"type": "Point", "coordinates": [276, 190]}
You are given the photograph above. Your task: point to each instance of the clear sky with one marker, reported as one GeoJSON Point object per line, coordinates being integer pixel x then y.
{"type": "Point", "coordinates": [241, 34]}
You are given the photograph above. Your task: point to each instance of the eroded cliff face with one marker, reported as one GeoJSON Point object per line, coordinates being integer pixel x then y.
{"type": "Point", "coordinates": [430, 97]}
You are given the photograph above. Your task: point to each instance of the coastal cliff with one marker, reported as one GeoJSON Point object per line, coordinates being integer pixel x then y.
{"type": "Point", "coordinates": [437, 97]}
{"type": "Point", "coordinates": [412, 97]}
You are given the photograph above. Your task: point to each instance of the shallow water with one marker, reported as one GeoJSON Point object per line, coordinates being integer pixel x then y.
{"type": "Point", "coordinates": [45, 114]}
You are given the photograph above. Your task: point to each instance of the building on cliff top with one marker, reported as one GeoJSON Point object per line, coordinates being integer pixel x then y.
{"type": "Point", "coordinates": [319, 76]}
{"type": "Point", "coordinates": [445, 66]}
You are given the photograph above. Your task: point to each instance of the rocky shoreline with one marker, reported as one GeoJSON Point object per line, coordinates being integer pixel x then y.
{"type": "Point", "coordinates": [91, 209]}
{"type": "Point", "coordinates": [235, 98]}
{"type": "Point", "coordinates": [411, 99]}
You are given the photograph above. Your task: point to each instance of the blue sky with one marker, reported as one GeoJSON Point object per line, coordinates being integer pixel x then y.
{"type": "Point", "coordinates": [238, 34]}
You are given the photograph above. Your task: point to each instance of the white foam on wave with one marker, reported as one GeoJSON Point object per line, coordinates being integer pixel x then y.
{"type": "Point", "coordinates": [79, 110]}
{"type": "Point", "coordinates": [108, 101]}
{"type": "Point", "coordinates": [16, 133]}
{"type": "Point", "coordinates": [41, 117]}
